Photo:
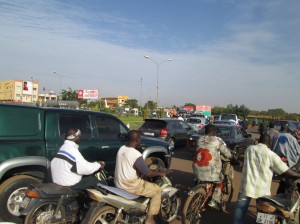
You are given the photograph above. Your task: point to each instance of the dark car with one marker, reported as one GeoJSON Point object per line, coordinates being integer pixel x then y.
{"type": "Point", "coordinates": [293, 125]}
{"type": "Point", "coordinates": [235, 137]}
{"type": "Point", "coordinates": [176, 132]}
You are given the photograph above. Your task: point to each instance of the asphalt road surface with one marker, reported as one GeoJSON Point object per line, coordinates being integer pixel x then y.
{"type": "Point", "coordinates": [182, 177]}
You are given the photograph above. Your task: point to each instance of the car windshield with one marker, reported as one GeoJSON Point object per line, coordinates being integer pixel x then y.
{"type": "Point", "coordinates": [223, 132]}
{"type": "Point", "coordinates": [154, 124]}
{"type": "Point", "coordinates": [193, 121]}
{"type": "Point", "coordinates": [228, 117]}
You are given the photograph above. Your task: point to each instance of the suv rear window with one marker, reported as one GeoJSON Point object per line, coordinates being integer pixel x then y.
{"type": "Point", "coordinates": [154, 124]}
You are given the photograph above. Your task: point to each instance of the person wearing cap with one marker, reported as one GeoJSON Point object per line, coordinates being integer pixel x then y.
{"type": "Point", "coordinates": [69, 168]}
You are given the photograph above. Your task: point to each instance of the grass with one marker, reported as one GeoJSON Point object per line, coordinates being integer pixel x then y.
{"type": "Point", "coordinates": [133, 122]}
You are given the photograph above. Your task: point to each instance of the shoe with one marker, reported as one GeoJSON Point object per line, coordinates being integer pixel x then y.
{"type": "Point", "coordinates": [213, 204]}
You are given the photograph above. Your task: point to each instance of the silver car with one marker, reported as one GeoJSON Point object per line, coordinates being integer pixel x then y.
{"type": "Point", "coordinates": [197, 122]}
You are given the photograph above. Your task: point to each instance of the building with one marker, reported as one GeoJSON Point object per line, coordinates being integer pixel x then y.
{"type": "Point", "coordinates": [114, 102]}
{"type": "Point", "coordinates": [19, 91]}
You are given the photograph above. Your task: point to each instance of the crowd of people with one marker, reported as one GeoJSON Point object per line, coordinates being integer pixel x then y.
{"type": "Point", "coordinates": [69, 167]}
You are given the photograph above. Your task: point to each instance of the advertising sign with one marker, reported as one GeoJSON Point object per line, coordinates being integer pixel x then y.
{"type": "Point", "coordinates": [88, 94]}
{"type": "Point", "coordinates": [204, 109]}
{"type": "Point", "coordinates": [27, 87]}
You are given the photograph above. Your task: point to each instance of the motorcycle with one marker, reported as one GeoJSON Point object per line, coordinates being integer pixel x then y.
{"type": "Point", "coordinates": [115, 205]}
{"type": "Point", "coordinates": [282, 208]}
{"type": "Point", "coordinates": [51, 203]}
{"type": "Point", "coordinates": [200, 195]}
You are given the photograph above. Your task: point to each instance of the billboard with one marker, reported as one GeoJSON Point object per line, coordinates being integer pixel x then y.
{"type": "Point", "coordinates": [27, 87]}
{"type": "Point", "coordinates": [204, 109]}
{"type": "Point", "coordinates": [88, 94]}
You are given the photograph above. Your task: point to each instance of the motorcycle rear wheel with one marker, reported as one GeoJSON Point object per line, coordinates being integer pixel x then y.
{"type": "Point", "coordinates": [106, 214]}
{"type": "Point", "coordinates": [43, 213]}
{"type": "Point", "coordinates": [169, 208]}
{"type": "Point", "coordinates": [193, 206]}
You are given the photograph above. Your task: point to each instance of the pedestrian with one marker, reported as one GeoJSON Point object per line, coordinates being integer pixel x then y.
{"type": "Point", "coordinates": [272, 131]}
{"type": "Point", "coordinates": [259, 164]}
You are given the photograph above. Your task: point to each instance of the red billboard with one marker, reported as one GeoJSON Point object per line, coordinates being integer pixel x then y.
{"type": "Point", "coordinates": [88, 94]}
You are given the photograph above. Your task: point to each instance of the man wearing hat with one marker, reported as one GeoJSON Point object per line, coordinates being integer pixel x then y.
{"type": "Point", "coordinates": [69, 168]}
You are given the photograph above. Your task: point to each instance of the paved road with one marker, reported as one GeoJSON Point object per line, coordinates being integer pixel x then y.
{"type": "Point", "coordinates": [182, 177]}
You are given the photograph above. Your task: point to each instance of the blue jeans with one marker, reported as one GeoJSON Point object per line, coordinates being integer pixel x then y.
{"type": "Point", "coordinates": [241, 209]}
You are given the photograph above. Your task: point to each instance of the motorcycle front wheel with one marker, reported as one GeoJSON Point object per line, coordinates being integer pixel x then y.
{"type": "Point", "coordinates": [106, 214]}
{"type": "Point", "coordinates": [43, 214]}
{"type": "Point", "coordinates": [169, 208]}
{"type": "Point", "coordinates": [194, 205]}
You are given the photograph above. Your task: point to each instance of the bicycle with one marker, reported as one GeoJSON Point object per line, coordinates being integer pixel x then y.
{"type": "Point", "coordinates": [199, 196]}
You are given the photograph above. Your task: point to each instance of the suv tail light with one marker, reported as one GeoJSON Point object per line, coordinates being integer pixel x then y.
{"type": "Point", "coordinates": [163, 132]}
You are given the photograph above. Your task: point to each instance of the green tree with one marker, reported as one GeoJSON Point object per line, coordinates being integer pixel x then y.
{"type": "Point", "coordinates": [276, 113]}
{"type": "Point", "coordinates": [132, 103]}
{"type": "Point", "coordinates": [70, 94]}
{"type": "Point", "coordinates": [150, 105]}
{"type": "Point", "coordinates": [243, 111]}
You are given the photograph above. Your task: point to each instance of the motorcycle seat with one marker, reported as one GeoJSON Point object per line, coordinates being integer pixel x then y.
{"type": "Point", "coordinates": [282, 200]}
{"type": "Point", "coordinates": [54, 189]}
{"type": "Point", "coordinates": [118, 191]}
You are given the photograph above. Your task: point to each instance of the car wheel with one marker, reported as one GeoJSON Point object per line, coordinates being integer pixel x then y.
{"type": "Point", "coordinates": [172, 143]}
{"type": "Point", "coordinates": [12, 193]}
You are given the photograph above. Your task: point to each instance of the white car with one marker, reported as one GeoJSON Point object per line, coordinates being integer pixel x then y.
{"type": "Point", "coordinates": [226, 117]}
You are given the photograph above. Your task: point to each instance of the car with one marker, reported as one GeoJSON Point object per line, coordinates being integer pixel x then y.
{"type": "Point", "coordinates": [223, 117]}
{"type": "Point", "coordinates": [196, 122]}
{"type": "Point", "coordinates": [174, 131]}
{"type": "Point", "coordinates": [31, 136]}
{"type": "Point", "coordinates": [293, 125]}
{"type": "Point", "coordinates": [228, 122]}
{"type": "Point", "coordinates": [235, 137]}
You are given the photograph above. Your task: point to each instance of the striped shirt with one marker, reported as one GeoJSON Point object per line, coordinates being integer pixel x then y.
{"type": "Point", "coordinates": [259, 164]}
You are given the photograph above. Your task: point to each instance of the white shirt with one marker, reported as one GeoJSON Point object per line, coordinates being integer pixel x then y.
{"type": "Point", "coordinates": [68, 166]}
{"type": "Point", "coordinates": [126, 176]}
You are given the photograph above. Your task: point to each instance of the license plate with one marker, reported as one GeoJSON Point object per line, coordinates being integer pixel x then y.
{"type": "Point", "coordinates": [25, 202]}
{"type": "Point", "coordinates": [265, 218]}
{"type": "Point", "coordinates": [148, 133]}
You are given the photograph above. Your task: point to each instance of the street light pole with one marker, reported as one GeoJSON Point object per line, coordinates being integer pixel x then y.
{"type": "Point", "coordinates": [59, 76]}
{"type": "Point", "coordinates": [157, 72]}
{"type": "Point", "coordinates": [141, 105]}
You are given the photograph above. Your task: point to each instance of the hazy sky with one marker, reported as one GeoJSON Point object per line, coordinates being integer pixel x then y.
{"type": "Point", "coordinates": [223, 52]}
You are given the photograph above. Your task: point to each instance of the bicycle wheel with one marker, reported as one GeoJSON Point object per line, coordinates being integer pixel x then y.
{"type": "Point", "coordinates": [227, 192]}
{"type": "Point", "coordinates": [194, 205]}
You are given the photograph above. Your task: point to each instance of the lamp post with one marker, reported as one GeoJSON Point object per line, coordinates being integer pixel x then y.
{"type": "Point", "coordinates": [157, 71]}
{"type": "Point", "coordinates": [141, 92]}
{"type": "Point", "coordinates": [59, 76]}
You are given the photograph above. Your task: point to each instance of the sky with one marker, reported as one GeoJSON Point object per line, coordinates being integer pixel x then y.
{"type": "Point", "coordinates": [222, 51]}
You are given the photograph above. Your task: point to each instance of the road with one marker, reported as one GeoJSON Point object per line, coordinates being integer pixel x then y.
{"type": "Point", "coordinates": [182, 177]}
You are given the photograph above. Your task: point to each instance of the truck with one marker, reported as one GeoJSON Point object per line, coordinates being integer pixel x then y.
{"type": "Point", "coordinates": [31, 136]}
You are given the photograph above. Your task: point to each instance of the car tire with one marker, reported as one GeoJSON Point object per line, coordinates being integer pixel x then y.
{"type": "Point", "coordinates": [11, 196]}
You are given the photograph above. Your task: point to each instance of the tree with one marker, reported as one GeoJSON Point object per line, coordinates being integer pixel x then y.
{"type": "Point", "coordinates": [277, 113]}
{"type": "Point", "coordinates": [70, 95]}
{"type": "Point", "coordinates": [150, 105]}
{"type": "Point", "coordinates": [243, 111]}
{"type": "Point", "coordinates": [132, 103]}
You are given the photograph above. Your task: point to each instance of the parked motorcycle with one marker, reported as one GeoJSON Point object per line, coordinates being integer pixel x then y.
{"type": "Point", "coordinates": [115, 205]}
{"type": "Point", "coordinates": [281, 208]}
{"type": "Point", "coordinates": [199, 196]}
{"type": "Point", "coordinates": [51, 203]}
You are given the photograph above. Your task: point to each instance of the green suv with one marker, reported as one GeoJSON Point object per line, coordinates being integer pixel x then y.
{"type": "Point", "coordinates": [31, 136]}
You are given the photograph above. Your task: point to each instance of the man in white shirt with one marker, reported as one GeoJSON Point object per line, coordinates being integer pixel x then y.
{"type": "Point", "coordinates": [69, 168]}
{"type": "Point", "coordinates": [130, 171]}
